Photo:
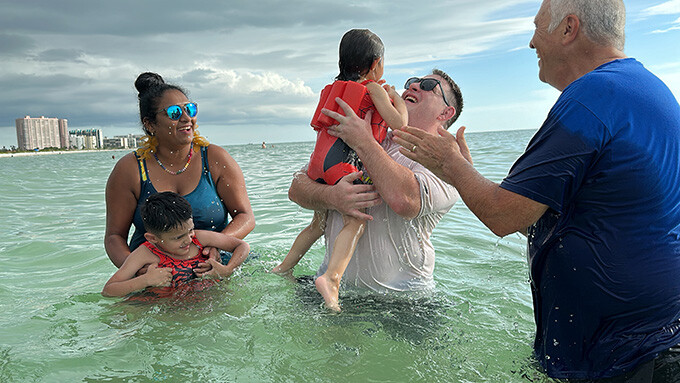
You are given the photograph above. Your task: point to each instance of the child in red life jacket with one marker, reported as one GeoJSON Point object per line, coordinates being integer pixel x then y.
{"type": "Point", "coordinates": [173, 251]}
{"type": "Point", "coordinates": [359, 84]}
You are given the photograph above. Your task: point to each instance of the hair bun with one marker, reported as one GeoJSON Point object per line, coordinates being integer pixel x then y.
{"type": "Point", "coordinates": [148, 80]}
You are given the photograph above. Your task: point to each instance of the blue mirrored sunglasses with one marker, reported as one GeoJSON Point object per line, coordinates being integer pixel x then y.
{"type": "Point", "coordinates": [427, 84]}
{"type": "Point", "coordinates": [174, 112]}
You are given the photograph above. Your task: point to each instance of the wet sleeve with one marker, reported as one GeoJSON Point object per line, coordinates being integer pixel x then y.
{"type": "Point", "coordinates": [559, 157]}
{"type": "Point", "coordinates": [436, 196]}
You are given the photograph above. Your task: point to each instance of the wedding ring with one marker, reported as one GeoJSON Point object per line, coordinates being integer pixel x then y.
{"type": "Point", "coordinates": [413, 149]}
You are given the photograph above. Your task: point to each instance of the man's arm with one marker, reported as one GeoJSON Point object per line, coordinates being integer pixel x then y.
{"type": "Point", "coordinates": [502, 211]}
{"type": "Point", "coordinates": [345, 197]}
{"type": "Point", "coordinates": [396, 184]}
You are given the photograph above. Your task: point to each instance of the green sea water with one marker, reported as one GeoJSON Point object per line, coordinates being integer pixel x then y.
{"type": "Point", "coordinates": [477, 326]}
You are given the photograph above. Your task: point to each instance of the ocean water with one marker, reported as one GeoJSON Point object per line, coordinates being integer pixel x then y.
{"type": "Point", "coordinates": [477, 326]}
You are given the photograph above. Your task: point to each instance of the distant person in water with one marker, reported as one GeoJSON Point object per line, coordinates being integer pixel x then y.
{"type": "Point", "coordinates": [359, 82]}
{"type": "Point", "coordinates": [264, 146]}
{"type": "Point", "coordinates": [173, 250]}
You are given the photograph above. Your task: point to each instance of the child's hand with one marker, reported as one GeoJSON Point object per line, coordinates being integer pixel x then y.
{"type": "Point", "coordinates": [391, 91]}
{"type": "Point", "coordinates": [211, 252]}
{"type": "Point", "coordinates": [218, 270]}
{"type": "Point", "coordinates": [158, 276]}
{"type": "Point", "coordinates": [202, 268]}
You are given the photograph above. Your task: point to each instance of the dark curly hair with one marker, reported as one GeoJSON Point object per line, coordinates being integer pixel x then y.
{"type": "Point", "coordinates": [165, 211]}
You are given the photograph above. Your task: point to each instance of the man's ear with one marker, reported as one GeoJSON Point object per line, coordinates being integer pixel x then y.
{"type": "Point", "coordinates": [447, 113]}
{"type": "Point", "coordinates": [570, 28]}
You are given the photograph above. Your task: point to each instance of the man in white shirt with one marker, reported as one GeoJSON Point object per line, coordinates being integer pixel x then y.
{"type": "Point", "coordinates": [405, 202]}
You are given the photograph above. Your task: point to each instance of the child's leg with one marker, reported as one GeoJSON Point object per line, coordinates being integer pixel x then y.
{"type": "Point", "coordinates": [303, 242]}
{"type": "Point", "coordinates": [328, 284]}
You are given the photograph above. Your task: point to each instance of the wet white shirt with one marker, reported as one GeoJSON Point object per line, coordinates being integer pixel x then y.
{"type": "Point", "coordinates": [395, 254]}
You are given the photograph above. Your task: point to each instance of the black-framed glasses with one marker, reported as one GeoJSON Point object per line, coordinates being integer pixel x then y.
{"type": "Point", "coordinates": [174, 112]}
{"type": "Point", "coordinates": [427, 84]}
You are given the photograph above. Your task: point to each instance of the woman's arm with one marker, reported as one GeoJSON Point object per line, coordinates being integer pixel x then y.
{"type": "Point", "coordinates": [231, 187]}
{"type": "Point", "coordinates": [122, 191]}
{"type": "Point", "coordinates": [395, 115]}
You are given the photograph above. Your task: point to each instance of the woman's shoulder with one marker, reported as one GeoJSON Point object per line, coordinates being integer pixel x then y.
{"type": "Point", "coordinates": [217, 152]}
{"type": "Point", "coordinates": [126, 166]}
{"type": "Point", "coordinates": [221, 162]}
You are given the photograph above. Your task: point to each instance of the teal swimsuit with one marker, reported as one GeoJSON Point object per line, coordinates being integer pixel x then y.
{"type": "Point", "coordinates": [209, 212]}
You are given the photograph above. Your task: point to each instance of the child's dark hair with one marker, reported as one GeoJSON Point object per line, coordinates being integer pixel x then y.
{"type": "Point", "coordinates": [151, 88]}
{"type": "Point", "coordinates": [358, 49]}
{"type": "Point", "coordinates": [165, 211]}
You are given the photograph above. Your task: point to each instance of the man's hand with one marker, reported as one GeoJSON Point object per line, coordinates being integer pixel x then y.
{"type": "Point", "coordinates": [352, 199]}
{"type": "Point", "coordinates": [351, 129]}
{"type": "Point", "coordinates": [435, 152]}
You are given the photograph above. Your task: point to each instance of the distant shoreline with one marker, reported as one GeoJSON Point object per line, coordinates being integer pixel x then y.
{"type": "Point", "coordinates": [23, 154]}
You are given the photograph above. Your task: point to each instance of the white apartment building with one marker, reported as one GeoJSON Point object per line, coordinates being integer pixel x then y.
{"type": "Point", "coordinates": [41, 132]}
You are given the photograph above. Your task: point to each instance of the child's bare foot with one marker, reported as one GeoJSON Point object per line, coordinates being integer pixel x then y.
{"type": "Point", "coordinates": [280, 270]}
{"type": "Point", "coordinates": [285, 273]}
{"type": "Point", "coordinates": [329, 292]}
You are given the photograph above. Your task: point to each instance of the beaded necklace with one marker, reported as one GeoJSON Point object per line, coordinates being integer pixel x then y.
{"type": "Point", "coordinates": [191, 152]}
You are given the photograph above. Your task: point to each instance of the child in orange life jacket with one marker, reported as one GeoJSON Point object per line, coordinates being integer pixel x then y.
{"type": "Point", "coordinates": [173, 251]}
{"type": "Point", "coordinates": [361, 68]}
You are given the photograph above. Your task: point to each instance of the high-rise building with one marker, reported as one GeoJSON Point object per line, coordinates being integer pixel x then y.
{"type": "Point", "coordinates": [63, 133]}
{"type": "Point", "coordinates": [41, 132]}
{"type": "Point", "coordinates": [86, 139]}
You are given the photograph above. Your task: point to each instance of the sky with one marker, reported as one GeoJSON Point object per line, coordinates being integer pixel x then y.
{"type": "Point", "coordinates": [255, 68]}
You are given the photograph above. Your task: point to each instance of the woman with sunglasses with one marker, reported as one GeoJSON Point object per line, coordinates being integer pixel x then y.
{"type": "Point", "coordinates": [173, 157]}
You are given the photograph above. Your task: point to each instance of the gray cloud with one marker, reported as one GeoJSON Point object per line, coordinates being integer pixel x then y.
{"type": "Point", "coordinates": [14, 44]}
{"type": "Point", "coordinates": [135, 18]}
{"type": "Point", "coordinates": [67, 55]}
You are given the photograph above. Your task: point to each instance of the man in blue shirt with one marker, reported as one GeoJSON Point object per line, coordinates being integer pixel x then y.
{"type": "Point", "coordinates": [599, 190]}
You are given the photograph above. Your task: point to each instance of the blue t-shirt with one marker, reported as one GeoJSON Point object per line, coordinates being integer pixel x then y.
{"type": "Point", "coordinates": [605, 258]}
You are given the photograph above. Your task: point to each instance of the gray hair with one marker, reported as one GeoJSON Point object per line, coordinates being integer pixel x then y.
{"type": "Point", "coordinates": [602, 21]}
{"type": "Point", "coordinates": [454, 96]}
